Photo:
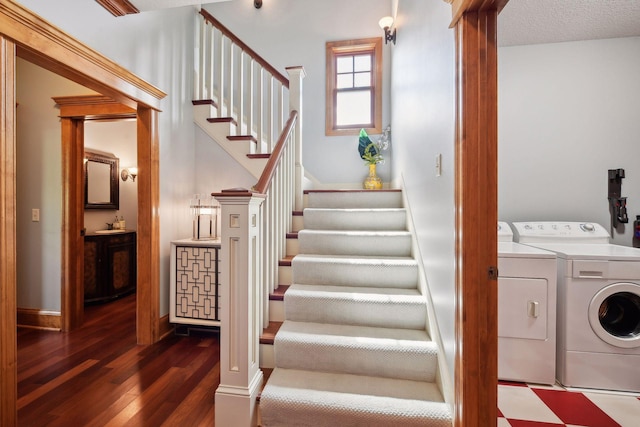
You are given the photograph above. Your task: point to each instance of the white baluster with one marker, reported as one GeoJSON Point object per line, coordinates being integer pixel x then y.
{"type": "Point", "coordinates": [231, 82]}
{"type": "Point", "coordinates": [220, 68]}
{"type": "Point", "coordinates": [260, 118]}
{"type": "Point", "coordinates": [250, 97]}
{"type": "Point", "coordinates": [270, 113]}
{"type": "Point", "coordinates": [209, 61]}
{"type": "Point", "coordinates": [296, 75]}
{"type": "Point", "coordinates": [241, 101]}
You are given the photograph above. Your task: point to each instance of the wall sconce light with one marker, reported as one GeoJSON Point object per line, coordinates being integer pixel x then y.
{"type": "Point", "coordinates": [386, 23]}
{"type": "Point", "coordinates": [127, 173]}
{"type": "Point", "coordinates": [257, 4]}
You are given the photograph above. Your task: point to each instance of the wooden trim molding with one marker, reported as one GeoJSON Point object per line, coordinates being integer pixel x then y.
{"type": "Point", "coordinates": [93, 107]}
{"type": "Point", "coordinates": [24, 34]}
{"type": "Point", "coordinates": [165, 327]}
{"type": "Point", "coordinates": [49, 47]}
{"type": "Point", "coordinates": [148, 250]}
{"type": "Point", "coordinates": [476, 207]}
{"type": "Point", "coordinates": [335, 49]}
{"type": "Point", "coordinates": [8, 267]}
{"type": "Point", "coordinates": [39, 319]}
{"type": "Point", "coordinates": [459, 7]}
{"type": "Point", "coordinates": [72, 262]}
{"type": "Point", "coordinates": [118, 7]}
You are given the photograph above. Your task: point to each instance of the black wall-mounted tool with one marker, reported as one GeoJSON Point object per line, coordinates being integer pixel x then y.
{"type": "Point", "coordinates": [617, 203]}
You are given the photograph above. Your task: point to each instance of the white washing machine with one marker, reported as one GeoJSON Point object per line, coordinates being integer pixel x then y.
{"type": "Point", "coordinates": [598, 304]}
{"type": "Point", "coordinates": [526, 311]}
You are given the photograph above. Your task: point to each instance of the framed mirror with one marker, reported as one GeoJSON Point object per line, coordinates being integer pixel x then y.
{"type": "Point", "coordinates": [101, 186]}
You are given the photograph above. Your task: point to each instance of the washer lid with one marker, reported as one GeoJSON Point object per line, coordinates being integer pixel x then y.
{"type": "Point", "coordinates": [517, 250]}
{"type": "Point", "coordinates": [608, 252]}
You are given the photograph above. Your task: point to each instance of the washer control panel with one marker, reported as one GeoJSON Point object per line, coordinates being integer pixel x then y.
{"type": "Point", "coordinates": [560, 232]}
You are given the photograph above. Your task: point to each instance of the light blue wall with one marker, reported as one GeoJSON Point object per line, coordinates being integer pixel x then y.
{"type": "Point", "coordinates": [294, 32]}
{"type": "Point", "coordinates": [158, 47]}
{"type": "Point", "coordinates": [39, 185]}
{"type": "Point", "coordinates": [422, 104]}
{"type": "Point", "coordinates": [568, 112]}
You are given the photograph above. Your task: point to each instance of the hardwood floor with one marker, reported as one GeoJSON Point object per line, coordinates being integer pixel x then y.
{"type": "Point", "coordinates": [98, 376]}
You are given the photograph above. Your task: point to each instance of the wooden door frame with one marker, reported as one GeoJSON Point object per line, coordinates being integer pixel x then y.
{"type": "Point", "coordinates": [24, 34]}
{"type": "Point", "coordinates": [476, 188]}
{"type": "Point", "coordinates": [74, 111]}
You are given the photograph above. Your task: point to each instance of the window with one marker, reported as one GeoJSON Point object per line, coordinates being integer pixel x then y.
{"type": "Point", "coordinates": [354, 87]}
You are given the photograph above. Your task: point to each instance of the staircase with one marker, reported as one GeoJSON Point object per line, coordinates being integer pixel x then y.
{"type": "Point", "coordinates": [353, 348]}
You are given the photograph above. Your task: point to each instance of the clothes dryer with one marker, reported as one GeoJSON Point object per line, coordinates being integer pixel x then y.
{"type": "Point", "coordinates": [598, 304]}
{"type": "Point", "coordinates": [526, 311]}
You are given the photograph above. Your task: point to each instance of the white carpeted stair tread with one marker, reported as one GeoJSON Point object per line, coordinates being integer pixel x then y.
{"type": "Point", "coordinates": [367, 243]}
{"type": "Point", "coordinates": [355, 219]}
{"type": "Point", "coordinates": [392, 353]}
{"type": "Point", "coordinates": [380, 307]}
{"type": "Point", "coordinates": [397, 272]}
{"type": "Point", "coordinates": [304, 398]}
{"type": "Point", "coordinates": [354, 199]}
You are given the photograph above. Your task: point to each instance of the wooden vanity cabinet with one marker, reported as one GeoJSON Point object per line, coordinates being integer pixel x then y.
{"type": "Point", "coordinates": [109, 266]}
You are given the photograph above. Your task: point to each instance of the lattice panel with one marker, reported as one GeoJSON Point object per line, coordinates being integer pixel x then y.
{"type": "Point", "coordinates": [196, 282]}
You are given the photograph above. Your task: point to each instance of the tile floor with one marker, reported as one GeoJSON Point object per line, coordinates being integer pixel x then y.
{"type": "Point", "coordinates": [529, 405]}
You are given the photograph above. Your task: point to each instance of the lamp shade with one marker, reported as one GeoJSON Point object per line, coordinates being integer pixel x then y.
{"type": "Point", "coordinates": [386, 22]}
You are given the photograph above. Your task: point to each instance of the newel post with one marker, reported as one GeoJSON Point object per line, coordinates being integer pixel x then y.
{"type": "Point", "coordinates": [240, 374]}
{"type": "Point", "coordinates": [296, 74]}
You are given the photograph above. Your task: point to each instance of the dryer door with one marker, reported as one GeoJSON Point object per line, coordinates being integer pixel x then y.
{"type": "Point", "coordinates": [614, 314]}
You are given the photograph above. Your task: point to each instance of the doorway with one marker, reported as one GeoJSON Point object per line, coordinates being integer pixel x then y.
{"type": "Point", "coordinates": [23, 34]}
{"type": "Point", "coordinates": [75, 111]}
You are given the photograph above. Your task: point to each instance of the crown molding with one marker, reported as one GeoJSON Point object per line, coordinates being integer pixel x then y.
{"type": "Point", "coordinates": [118, 7]}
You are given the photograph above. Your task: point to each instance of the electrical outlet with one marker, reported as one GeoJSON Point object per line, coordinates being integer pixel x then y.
{"type": "Point", "coordinates": [35, 215]}
{"type": "Point", "coordinates": [438, 164]}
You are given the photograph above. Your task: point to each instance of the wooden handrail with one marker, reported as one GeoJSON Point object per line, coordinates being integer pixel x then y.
{"type": "Point", "coordinates": [270, 168]}
{"type": "Point", "coordinates": [224, 30]}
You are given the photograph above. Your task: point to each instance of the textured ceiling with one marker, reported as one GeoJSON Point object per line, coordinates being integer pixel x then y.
{"type": "Point", "coordinates": [530, 21]}
{"type": "Point", "coordinates": [549, 21]}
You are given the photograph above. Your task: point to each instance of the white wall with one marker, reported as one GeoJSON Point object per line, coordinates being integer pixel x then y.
{"type": "Point", "coordinates": [294, 32]}
{"type": "Point", "coordinates": [158, 47]}
{"type": "Point", "coordinates": [569, 112]}
{"type": "Point", "coordinates": [118, 138]}
{"type": "Point", "coordinates": [423, 95]}
{"type": "Point", "coordinates": [39, 185]}
{"type": "Point", "coordinates": [213, 167]}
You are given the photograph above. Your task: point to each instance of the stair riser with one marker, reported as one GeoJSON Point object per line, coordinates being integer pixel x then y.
{"type": "Point", "coordinates": [302, 308]}
{"type": "Point", "coordinates": [284, 275]}
{"type": "Point", "coordinates": [309, 272]}
{"type": "Point", "coordinates": [298, 223]}
{"type": "Point", "coordinates": [355, 200]}
{"type": "Point", "coordinates": [276, 311]}
{"type": "Point", "coordinates": [398, 245]}
{"type": "Point", "coordinates": [301, 353]}
{"type": "Point", "coordinates": [335, 219]}
{"type": "Point", "coordinates": [292, 246]}
{"type": "Point", "coordinates": [267, 356]}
